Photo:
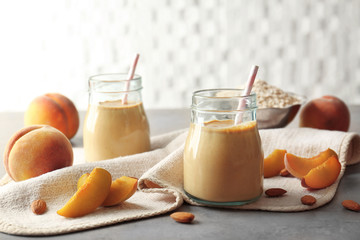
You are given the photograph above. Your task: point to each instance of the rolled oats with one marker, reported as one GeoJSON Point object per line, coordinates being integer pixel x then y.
{"type": "Point", "coordinates": [268, 96]}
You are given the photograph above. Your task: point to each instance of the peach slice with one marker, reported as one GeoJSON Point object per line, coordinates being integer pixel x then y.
{"type": "Point", "coordinates": [323, 175]}
{"type": "Point", "coordinates": [274, 163]}
{"type": "Point", "coordinates": [89, 196]}
{"type": "Point", "coordinates": [121, 189]}
{"type": "Point", "coordinates": [299, 167]}
{"type": "Point", "coordinates": [82, 180]}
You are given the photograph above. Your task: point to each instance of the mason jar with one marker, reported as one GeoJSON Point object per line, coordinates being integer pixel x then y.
{"type": "Point", "coordinates": [223, 156]}
{"type": "Point", "coordinates": [115, 123]}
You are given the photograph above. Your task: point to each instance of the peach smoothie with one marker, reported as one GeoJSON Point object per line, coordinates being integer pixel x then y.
{"type": "Point", "coordinates": [114, 129]}
{"type": "Point", "coordinates": [223, 162]}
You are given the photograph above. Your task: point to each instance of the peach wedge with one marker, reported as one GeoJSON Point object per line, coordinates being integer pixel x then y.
{"type": "Point", "coordinates": [121, 189]}
{"type": "Point", "coordinates": [89, 196]}
{"type": "Point", "coordinates": [323, 175]}
{"type": "Point", "coordinates": [274, 163]}
{"type": "Point", "coordinates": [299, 167]}
{"type": "Point", "coordinates": [82, 180]}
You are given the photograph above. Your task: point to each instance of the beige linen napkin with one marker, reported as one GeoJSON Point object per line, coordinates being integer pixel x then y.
{"type": "Point", "coordinates": [163, 166]}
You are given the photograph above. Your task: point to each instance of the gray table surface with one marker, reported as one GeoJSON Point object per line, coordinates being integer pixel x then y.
{"type": "Point", "coordinates": [328, 222]}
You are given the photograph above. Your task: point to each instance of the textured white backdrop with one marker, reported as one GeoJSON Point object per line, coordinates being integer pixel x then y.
{"type": "Point", "coordinates": [308, 47]}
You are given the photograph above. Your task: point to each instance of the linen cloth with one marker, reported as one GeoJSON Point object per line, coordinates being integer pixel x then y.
{"type": "Point", "coordinates": [161, 167]}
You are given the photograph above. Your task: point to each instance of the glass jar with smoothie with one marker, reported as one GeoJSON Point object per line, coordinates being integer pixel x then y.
{"type": "Point", "coordinates": [114, 127]}
{"type": "Point", "coordinates": [223, 156]}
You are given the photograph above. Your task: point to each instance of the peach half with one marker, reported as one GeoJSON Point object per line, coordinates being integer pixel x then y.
{"type": "Point", "coordinates": [89, 196]}
{"type": "Point", "coordinates": [299, 166]}
{"type": "Point", "coordinates": [55, 110]}
{"type": "Point", "coordinates": [274, 163]}
{"type": "Point", "coordinates": [323, 175]}
{"type": "Point", "coordinates": [36, 150]}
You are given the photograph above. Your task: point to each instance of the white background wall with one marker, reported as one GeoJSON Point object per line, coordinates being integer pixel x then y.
{"type": "Point", "coordinates": [308, 47]}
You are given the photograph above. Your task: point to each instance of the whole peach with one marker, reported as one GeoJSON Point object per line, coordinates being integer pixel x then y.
{"type": "Point", "coordinates": [327, 112]}
{"type": "Point", "coordinates": [55, 110]}
{"type": "Point", "coordinates": [36, 150]}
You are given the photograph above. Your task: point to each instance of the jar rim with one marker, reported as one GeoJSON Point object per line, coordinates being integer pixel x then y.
{"type": "Point", "coordinates": [214, 95]}
{"type": "Point", "coordinates": [114, 83]}
{"type": "Point", "coordinates": [113, 77]}
{"type": "Point", "coordinates": [238, 90]}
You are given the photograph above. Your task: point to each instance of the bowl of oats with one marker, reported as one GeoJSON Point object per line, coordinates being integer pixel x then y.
{"type": "Point", "coordinates": [276, 108]}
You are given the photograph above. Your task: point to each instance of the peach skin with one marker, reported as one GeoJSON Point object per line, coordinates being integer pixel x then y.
{"type": "Point", "coordinates": [299, 167]}
{"type": "Point", "coordinates": [55, 110]}
{"type": "Point", "coordinates": [323, 175]}
{"type": "Point", "coordinates": [89, 196]}
{"type": "Point", "coordinates": [274, 163]}
{"type": "Point", "coordinates": [36, 150]}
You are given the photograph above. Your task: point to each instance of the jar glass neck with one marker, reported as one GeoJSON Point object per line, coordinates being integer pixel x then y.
{"type": "Point", "coordinates": [114, 83]}
{"type": "Point", "coordinates": [222, 104]}
{"type": "Point", "coordinates": [113, 87]}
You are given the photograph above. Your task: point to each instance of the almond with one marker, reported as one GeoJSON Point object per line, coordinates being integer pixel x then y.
{"type": "Point", "coordinates": [183, 217]}
{"type": "Point", "coordinates": [38, 206]}
{"type": "Point", "coordinates": [308, 200]}
{"type": "Point", "coordinates": [303, 183]}
{"type": "Point", "coordinates": [351, 205]}
{"type": "Point", "coordinates": [285, 173]}
{"type": "Point", "coordinates": [275, 192]}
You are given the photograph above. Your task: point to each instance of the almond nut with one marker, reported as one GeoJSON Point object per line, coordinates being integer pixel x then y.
{"type": "Point", "coordinates": [308, 200]}
{"type": "Point", "coordinates": [303, 183]}
{"type": "Point", "coordinates": [285, 173]}
{"type": "Point", "coordinates": [275, 192]}
{"type": "Point", "coordinates": [183, 217]}
{"type": "Point", "coordinates": [351, 205]}
{"type": "Point", "coordinates": [38, 206]}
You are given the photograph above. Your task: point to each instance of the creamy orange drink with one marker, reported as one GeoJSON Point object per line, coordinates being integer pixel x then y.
{"type": "Point", "coordinates": [223, 161]}
{"type": "Point", "coordinates": [114, 127]}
